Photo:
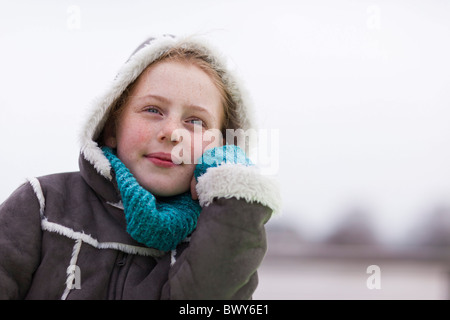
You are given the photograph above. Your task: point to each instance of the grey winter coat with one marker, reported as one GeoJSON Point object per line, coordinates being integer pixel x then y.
{"type": "Point", "coordinates": [63, 236]}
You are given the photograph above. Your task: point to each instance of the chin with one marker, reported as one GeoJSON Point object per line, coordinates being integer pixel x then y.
{"type": "Point", "coordinates": [166, 191]}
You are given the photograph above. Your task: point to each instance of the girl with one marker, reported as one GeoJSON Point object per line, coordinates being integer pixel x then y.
{"type": "Point", "coordinates": [140, 221]}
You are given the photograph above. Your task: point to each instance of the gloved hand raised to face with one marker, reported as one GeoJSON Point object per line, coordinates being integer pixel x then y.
{"type": "Point", "coordinates": [227, 154]}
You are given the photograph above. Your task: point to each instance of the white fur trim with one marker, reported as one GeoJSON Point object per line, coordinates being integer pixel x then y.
{"type": "Point", "coordinates": [72, 268]}
{"type": "Point", "coordinates": [39, 194]}
{"type": "Point", "coordinates": [131, 70]}
{"type": "Point", "coordinates": [118, 205]}
{"type": "Point", "coordinates": [173, 257]}
{"type": "Point", "coordinates": [95, 156]}
{"type": "Point", "coordinates": [241, 182]}
{"type": "Point", "coordinates": [70, 233]}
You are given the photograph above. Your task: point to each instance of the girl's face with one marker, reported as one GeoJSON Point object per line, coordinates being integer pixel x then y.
{"type": "Point", "coordinates": [167, 96]}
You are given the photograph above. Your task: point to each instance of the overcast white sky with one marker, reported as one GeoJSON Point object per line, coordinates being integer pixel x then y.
{"type": "Point", "coordinates": [359, 92]}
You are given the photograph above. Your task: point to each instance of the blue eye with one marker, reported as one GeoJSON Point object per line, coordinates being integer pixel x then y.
{"type": "Point", "coordinates": [152, 110]}
{"type": "Point", "coordinates": [196, 122]}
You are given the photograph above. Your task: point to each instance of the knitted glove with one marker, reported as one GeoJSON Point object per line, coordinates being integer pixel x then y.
{"type": "Point", "coordinates": [220, 155]}
{"type": "Point", "coordinates": [160, 224]}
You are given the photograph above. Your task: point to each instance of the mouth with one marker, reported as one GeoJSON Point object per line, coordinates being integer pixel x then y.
{"type": "Point", "coordinates": [161, 159]}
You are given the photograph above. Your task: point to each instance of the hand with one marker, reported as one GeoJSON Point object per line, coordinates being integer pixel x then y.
{"type": "Point", "coordinates": [215, 157]}
{"type": "Point", "coordinates": [229, 154]}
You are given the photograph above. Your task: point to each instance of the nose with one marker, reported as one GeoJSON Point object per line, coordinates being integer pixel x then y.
{"type": "Point", "coordinates": [168, 131]}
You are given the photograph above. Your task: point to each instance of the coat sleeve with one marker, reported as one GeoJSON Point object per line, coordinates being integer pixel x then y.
{"type": "Point", "coordinates": [20, 242]}
{"type": "Point", "coordinates": [229, 242]}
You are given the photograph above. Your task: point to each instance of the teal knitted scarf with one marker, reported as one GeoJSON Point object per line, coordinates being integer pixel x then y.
{"type": "Point", "coordinates": [158, 223]}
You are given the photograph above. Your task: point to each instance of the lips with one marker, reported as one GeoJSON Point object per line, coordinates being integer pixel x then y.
{"type": "Point", "coordinates": [161, 159]}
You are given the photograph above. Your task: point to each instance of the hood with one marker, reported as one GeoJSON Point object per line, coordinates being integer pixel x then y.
{"type": "Point", "coordinates": [149, 51]}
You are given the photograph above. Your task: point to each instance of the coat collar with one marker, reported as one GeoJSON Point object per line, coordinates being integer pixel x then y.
{"type": "Point", "coordinates": [105, 188]}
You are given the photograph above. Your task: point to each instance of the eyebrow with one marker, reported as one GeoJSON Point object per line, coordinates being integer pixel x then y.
{"type": "Point", "coordinates": [200, 109]}
{"type": "Point", "coordinates": [153, 96]}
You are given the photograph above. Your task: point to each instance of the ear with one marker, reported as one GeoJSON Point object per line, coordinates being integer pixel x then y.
{"type": "Point", "coordinates": [111, 142]}
{"type": "Point", "coordinates": [109, 134]}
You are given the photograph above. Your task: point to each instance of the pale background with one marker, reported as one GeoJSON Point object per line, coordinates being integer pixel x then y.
{"type": "Point", "coordinates": [358, 91]}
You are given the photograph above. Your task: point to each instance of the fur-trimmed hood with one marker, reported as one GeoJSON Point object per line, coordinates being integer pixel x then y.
{"type": "Point", "coordinates": [149, 51]}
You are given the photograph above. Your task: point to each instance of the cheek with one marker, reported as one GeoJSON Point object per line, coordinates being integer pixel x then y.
{"type": "Point", "coordinates": [201, 143]}
{"type": "Point", "coordinates": [130, 136]}
{"type": "Point", "coordinates": [211, 139]}
{"type": "Point", "coordinates": [188, 171]}
{"type": "Point", "coordinates": [194, 145]}
{"type": "Point", "coordinates": [197, 146]}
